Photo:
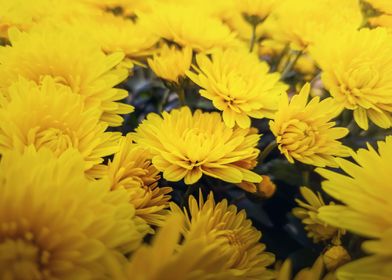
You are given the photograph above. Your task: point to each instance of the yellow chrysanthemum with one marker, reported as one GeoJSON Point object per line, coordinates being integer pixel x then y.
{"type": "Point", "coordinates": [131, 169]}
{"type": "Point", "coordinates": [25, 14]}
{"type": "Point", "coordinates": [248, 257]}
{"type": "Point", "coordinates": [335, 257]}
{"type": "Point", "coordinates": [356, 67]}
{"type": "Point", "coordinates": [116, 34]}
{"type": "Point", "coordinates": [171, 63]}
{"type": "Point", "coordinates": [308, 211]}
{"type": "Point", "coordinates": [188, 27]}
{"type": "Point", "coordinates": [366, 192]}
{"type": "Point", "coordinates": [56, 224]}
{"type": "Point", "coordinates": [72, 60]}
{"type": "Point", "coordinates": [238, 84]}
{"type": "Point", "coordinates": [316, 272]}
{"type": "Point", "coordinates": [126, 8]}
{"type": "Point", "coordinates": [381, 5]}
{"type": "Point", "coordinates": [50, 115]}
{"type": "Point", "coordinates": [304, 131]}
{"type": "Point", "coordinates": [200, 256]}
{"type": "Point", "coordinates": [186, 146]}
{"type": "Point", "coordinates": [383, 21]}
{"type": "Point", "coordinates": [255, 8]}
{"type": "Point", "coordinates": [302, 22]}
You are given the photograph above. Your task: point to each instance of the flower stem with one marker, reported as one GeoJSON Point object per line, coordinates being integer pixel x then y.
{"type": "Point", "coordinates": [253, 38]}
{"type": "Point", "coordinates": [290, 65]}
{"type": "Point", "coordinates": [181, 95]}
{"type": "Point", "coordinates": [270, 147]}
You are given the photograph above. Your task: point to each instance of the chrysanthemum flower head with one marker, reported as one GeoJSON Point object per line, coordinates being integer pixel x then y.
{"type": "Point", "coordinates": [131, 169]}
{"type": "Point", "coordinates": [190, 27]}
{"type": "Point", "coordinates": [201, 255]}
{"type": "Point", "coordinates": [117, 34]}
{"type": "Point", "coordinates": [365, 190]}
{"type": "Point", "coordinates": [186, 146]}
{"type": "Point", "coordinates": [171, 63]}
{"type": "Point", "coordinates": [304, 131]}
{"type": "Point", "coordinates": [57, 224]}
{"type": "Point", "coordinates": [259, 9]}
{"type": "Point", "coordinates": [302, 22]}
{"type": "Point", "coordinates": [384, 6]}
{"type": "Point", "coordinates": [239, 85]}
{"type": "Point", "coordinates": [315, 272]}
{"type": "Point", "coordinates": [356, 69]}
{"type": "Point", "coordinates": [123, 8]}
{"type": "Point", "coordinates": [248, 257]}
{"type": "Point", "coordinates": [50, 115]}
{"type": "Point", "coordinates": [72, 60]}
{"type": "Point", "coordinates": [24, 15]}
{"type": "Point", "coordinates": [308, 211]}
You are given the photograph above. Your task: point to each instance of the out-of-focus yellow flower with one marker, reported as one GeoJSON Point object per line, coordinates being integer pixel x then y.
{"type": "Point", "coordinates": [306, 66]}
{"type": "Point", "coordinates": [381, 5]}
{"type": "Point", "coordinates": [126, 8]}
{"type": "Point", "coordinates": [308, 211]}
{"type": "Point", "coordinates": [366, 193]}
{"type": "Point", "coordinates": [239, 85]}
{"type": "Point", "coordinates": [248, 257]}
{"type": "Point", "coordinates": [302, 22]}
{"type": "Point", "coordinates": [50, 115]}
{"type": "Point", "coordinates": [189, 27]}
{"type": "Point", "coordinates": [198, 144]}
{"type": "Point", "coordinates": [266, 188]}
{"type": "Point", "coordinates": [171, 63]}
{"type": "Point", "coordinates": [270, 47]}
{"type": "Point", "coordinates": [304, 131]}
{"type": "Point", "coordinates": [201, 255]}
{"type": "Point", "coordinates": [257, 10]}
{"type": "Point", "coordinates": [131, 169]}
{"type": "Point", "coordinates": [24, 14]}
{"type": "Point", "coordinates": [72, 60]}
{"type": "Point", "coordinates": [335, 257]}
{"type": "Point", "coordinates": [316, 272]}
{"type": "Point", "coordinates": [383, 21]}
{"type": "Point", "coordinates": [356, 69]}
{"type": "Point", "coordinates": [56, 224]}
{"type": "Point", "coordinates": [117, 34]}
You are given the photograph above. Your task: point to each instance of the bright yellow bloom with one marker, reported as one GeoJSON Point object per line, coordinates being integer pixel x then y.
{"type": "Point", "coordinates": [304, 131]}
{"type": "Point", "coordinates": [200, 256]}
{"type": "Point", "coordinates": [238, 84]}
{"type": "Point", "coordinates": [186, 146]}
{"type": "Point", "coordinates": [117, 34]}
{"type": "Point", "coordinates": [356, 69]}
{"type": "Point", "coordinates": [171, 63]}
{"type": "Point", "coordinates": [381, 5]}
{"type": "Point", "coordinates": [189, 27]}
{"type": "Point", "coordinates": [255, 8]}
{"type": "Point", "coordinates": [335, 257]}
{"type": "Point", "coordinates": [308, 211]}
{"type": "Point", "coordinates": [126, 8]}
{"type": "Point", "coordinates": [50, 115]}
{"type": "Point", "coordinates": [72, 60]}
{"type": "Point", "coordinates": [25, 14]}
{"type": "Point", "coordinates": [56, 224]}
{"type": "Point", "coordinates": [383, 21]}
{"type": "Point", "coordinates": [248, 257]}
{"type": "Point", "coordinates": [302, 22]}
{"type": "Point", "coordinates": [131, 169]}
{"type": "Point", "coordinates": [316, 272]}
{"type": "Point", "coordinates": [366, 193]}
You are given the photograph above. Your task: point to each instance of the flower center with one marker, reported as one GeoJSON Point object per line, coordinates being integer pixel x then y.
{"type": "Point", "coordinates": [21, 259]}
{"type": "Point", "coordinates": [298, 134]}
{"type": "Point", "coordinates": [55, 139]}
{"type": "Point", "coordinates": [358, 83]}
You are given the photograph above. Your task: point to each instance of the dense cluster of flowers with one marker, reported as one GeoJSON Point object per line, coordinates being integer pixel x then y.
{"type": "Point", "coordinates": [150, 139]}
